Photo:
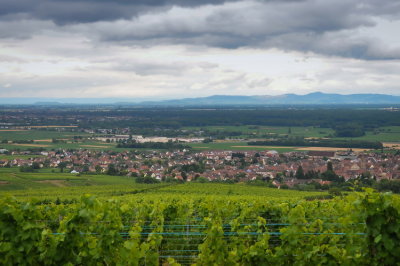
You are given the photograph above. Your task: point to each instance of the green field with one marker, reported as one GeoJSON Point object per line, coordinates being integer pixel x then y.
{"type": "Point", "coordinates": [38, 134]}
{"type": "Point", "coordinates": [92, 145]}
{"type": "Point", "coordinates": [86, 144]}
{"type": "Point", "coordinates": [236, 146]}
{"type": "Point", "coordinates": [17, 156]}
{"type": "Point", "coordinates": [43, 139]}
{"type": "Point", "coordinates": [11, 179]}
{"type": "Point", "coordinates": [272, 131]}
{"type": "Point", "coordinates": [48, 184]}
{"type": "Point", "coordinates": [383, 134]}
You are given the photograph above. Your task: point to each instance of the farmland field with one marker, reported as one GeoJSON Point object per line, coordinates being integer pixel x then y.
{"type": "Point", "coordinates": [218, 145]}
{"type": "Point", "coordinates": [263, 131]}
{"type": "Point", "coordinates": [243, 146]}
{"type": "Point", "coordinates": [236, 146]}
{"type": "Point", "coordinates": [38, 134]}
{"type": "Point", "coordinates": [43, 139]}
{"type": "Point", "coordinates": [86, 144]}
{"type": "Point", "coordinates": [40, 184]}
{"type": "Point", "coordinates": [17, 156]}
{"type": "Point", "coordinates": [383, 134]}
{"type": "Point", "coordinates": [14, 180]}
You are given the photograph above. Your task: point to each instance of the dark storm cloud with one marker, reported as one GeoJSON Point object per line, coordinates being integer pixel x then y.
{"type": "Point", "coordinates": [291, 25]}
{"type": "Point", "coordinates": [308, 26]}
{"type": "Point", "coordinates": [81, 11]}
{"type": "Point", "coordinates": [319, 26]}
{"type": "Point", "coordinates": [339, 44]}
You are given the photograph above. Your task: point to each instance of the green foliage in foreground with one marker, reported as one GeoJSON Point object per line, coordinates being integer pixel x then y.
{"type": "Point", "coordinates": [151, 229]}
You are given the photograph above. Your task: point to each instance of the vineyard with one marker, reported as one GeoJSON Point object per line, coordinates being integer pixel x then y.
{"type": "Point", "coordinates": [195, 228]}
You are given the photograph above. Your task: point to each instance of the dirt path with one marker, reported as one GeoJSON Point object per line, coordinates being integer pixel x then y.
{"type": "Point", "coordinates": [31, 145]}
{"type": "Point", "coordinates": [56, 183]}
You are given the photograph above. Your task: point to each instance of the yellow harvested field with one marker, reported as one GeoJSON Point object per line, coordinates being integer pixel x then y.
{"type": "Point", "coordinates": [328, 149]}
{"type": "Point", "coordinates": [392, 145]}
{"type": "Point", "coordinates": [94, 146]}
{"type": "Point", "coordinates": [32, 145]}
{"type": "Point", "coordinates": [56, 183]}
{"type": "Point", "coordinates": [47, 140]}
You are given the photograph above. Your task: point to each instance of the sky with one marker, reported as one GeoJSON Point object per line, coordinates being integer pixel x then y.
{"type": "Point", "coordinates": [165, 49]}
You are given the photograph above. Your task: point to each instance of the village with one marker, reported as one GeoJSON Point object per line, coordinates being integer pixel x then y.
{"type": "Point", "coordinates": [289, 169]}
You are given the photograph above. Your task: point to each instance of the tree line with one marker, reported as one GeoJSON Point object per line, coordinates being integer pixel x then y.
{"type": "Point", "coordinates": [320, 143]}
{"type": "Point", "coordinates": [365, 119]}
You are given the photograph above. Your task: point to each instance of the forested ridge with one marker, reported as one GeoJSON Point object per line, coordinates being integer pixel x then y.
{"type": "Point", "coordinates": [181, 117]}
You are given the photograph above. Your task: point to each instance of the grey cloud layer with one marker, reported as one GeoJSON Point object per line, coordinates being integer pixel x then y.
{"type": "Point", "coordinates": [81, 11]}
{"type": "Point", "coordinates": [320, 26]}
{"type": "Point", "coordinates": [157, 68]}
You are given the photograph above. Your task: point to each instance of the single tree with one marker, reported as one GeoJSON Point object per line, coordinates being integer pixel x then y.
{"type": "Point", "coordinates": [62, 165]}
{"type": "Point", "coordinates": [300, 173]}
{"type": "Point", "coordinates": [329, 166]}
{"type": "Point", "coordinates": [112, 170]}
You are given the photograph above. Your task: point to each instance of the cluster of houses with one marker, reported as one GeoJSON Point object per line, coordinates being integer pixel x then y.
{"type": "Point", "coordinates": [141, 139]}
{"type": "Point", "coordinates": [218, 165]}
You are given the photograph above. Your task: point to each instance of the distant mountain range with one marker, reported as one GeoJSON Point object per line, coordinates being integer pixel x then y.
{"type": "Point", "coordinates": [316, 98]}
